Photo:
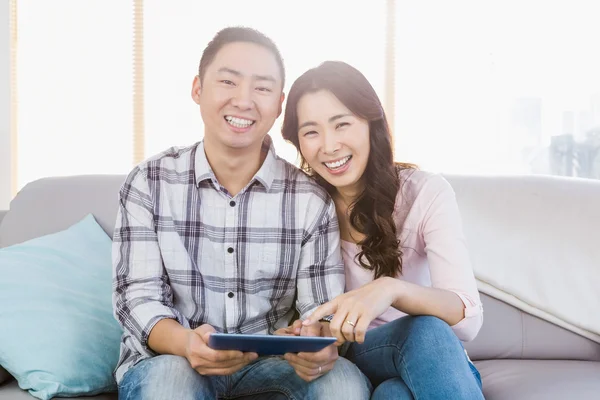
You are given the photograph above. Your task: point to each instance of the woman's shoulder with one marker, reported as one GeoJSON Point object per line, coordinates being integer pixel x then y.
{"type": "Point", "coordinates": [416, 184]}
{"type": "Point", "coordinates": [418, 190]}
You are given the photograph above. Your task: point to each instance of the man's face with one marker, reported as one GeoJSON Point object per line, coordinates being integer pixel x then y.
{"type": "Point", "coordinates": [240, 96]}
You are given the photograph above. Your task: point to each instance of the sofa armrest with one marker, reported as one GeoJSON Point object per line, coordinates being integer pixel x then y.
{"type": "Point", "coordinates": [2, 214]}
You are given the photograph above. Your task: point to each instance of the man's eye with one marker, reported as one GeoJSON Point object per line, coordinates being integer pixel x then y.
{"type": "Point", "coordinates": [227, 82]}
{"type": "Point", "coordinates": [263, 89]}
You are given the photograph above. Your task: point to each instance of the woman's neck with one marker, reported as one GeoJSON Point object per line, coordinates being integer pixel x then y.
{"type": "Point", "coordinates": [344, 199]}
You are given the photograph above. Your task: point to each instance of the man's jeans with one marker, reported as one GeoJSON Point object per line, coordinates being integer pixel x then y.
{"type": "Point", "coordinates": [416, 358]}
{"type": "Point", "coordinates": [167, 377]}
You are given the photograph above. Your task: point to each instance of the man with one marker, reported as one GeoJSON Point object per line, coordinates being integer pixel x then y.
{"type": "Point", "coordinates": [225, 236]}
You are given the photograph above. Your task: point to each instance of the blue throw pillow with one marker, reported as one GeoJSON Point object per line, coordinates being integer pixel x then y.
{"type": "Point", "coordinates": [58, 336]}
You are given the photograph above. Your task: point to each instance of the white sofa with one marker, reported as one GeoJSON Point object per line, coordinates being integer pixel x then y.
{"type": "Point", "coordinates": [519, 356]}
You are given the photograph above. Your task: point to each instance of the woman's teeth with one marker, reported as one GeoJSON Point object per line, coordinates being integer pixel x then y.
{"type": "Point", "coordinates": [238, 122]}
{"type": "Point", "coordinates": [338, 164]}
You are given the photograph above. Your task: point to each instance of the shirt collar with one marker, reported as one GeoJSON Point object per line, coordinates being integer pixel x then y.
{"type": "Point", "coordinates": [265, 174]}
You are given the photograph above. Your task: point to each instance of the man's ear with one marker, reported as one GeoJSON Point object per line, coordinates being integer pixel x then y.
{"type": "Point", "coordinates": [281, 104]}
{"type": "Point", "coordinates": [196, 89]}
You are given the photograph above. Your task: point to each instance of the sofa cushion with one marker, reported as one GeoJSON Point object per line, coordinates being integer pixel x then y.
{"type": "Point", "coordinates": [58, 333]}
{"type": "Point", "coordinates": [540, 379]}
{"type": "Point", "coordinates": [52, 204]}
{"type": "Point", "coordinates": [535, 238]}
{"type": "Point", "coordinates": [11, 391]}
{"type": "Point", "coordinates": [510, 333]}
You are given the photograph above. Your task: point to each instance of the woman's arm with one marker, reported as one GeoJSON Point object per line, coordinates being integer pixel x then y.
{"type": "Point", "coordinates": [414, 299]}
{"type": "Point", "coordinates": [453, 296]}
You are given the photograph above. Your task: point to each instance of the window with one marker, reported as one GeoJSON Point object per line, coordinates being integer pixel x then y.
{"type": "Point", "coordinates": [76, 75]}
{"type": "Point", "coordinates": [477, 87]}
{"type": "Point", "coordinates": [499, 87]}
{"type": "Point", "coordinates": [74, 81]}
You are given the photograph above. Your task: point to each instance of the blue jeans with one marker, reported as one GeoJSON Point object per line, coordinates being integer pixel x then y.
{"type": "Point", "coordinates": [416, 358]}
{"type": "Point", "coordinates": [167, 377]}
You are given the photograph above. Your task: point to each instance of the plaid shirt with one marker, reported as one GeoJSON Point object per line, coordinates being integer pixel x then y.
{"type": "Point", "coordinates": [185, 249]}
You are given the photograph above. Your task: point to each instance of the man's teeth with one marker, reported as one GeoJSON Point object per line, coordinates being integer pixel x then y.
{"type": "Point", "coordinates": [239, 122]}
{"type": "Point", "coordinates": [338, 163]}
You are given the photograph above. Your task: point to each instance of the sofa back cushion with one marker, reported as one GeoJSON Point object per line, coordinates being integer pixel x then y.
{"type": "Point", "coordinates": [511, 333]}
{"type": "Point", "coordinates": [51, 205]}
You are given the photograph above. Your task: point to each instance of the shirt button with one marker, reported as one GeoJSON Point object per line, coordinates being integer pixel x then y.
{"type": "Point", "coordinates": [230, 295]}
{"type": "Point", "coordinates": [232, 203]}
{"type": "Point", "coordinates": [230, 250]}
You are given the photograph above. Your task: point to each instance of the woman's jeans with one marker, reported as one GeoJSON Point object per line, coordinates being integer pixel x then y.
{"type": "Point", "coordinates": [167, 377]}
{"type": "Point", "coordinates": [416, 358]}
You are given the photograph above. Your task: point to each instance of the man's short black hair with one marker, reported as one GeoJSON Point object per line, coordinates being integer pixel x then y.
{"type": "Point", "coordinates": [238, 34]}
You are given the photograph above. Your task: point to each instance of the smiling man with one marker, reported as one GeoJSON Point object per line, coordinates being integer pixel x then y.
{"type": "Point", "coordinates": [224, 236]}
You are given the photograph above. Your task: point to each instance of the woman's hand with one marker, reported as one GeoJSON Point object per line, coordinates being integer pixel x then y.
{"type": "Point", "coordinates": [355, 310]}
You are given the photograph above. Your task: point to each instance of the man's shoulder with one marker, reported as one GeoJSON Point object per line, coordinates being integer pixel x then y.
{"type": "Point", "coordinates": [178, 157]}
{"type": "Point", "coordinates": [292, 178]}
{"type": "Point", "coordinates": [170, 162]}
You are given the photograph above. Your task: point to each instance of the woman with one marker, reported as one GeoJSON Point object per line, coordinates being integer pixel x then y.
{"type": "Point", "coordinates": [409, 281]}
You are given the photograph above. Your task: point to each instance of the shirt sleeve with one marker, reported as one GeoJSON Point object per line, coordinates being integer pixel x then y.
{"type": "Point", "coordinates": [321, 269]}
{"type": "Point", "coordinates": [447, 254]}
{"type": "Point", "coordinates": [141, 293]}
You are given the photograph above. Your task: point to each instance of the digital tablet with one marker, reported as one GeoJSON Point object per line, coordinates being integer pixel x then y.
{"type": "Point", "coordinates": [268, 344]}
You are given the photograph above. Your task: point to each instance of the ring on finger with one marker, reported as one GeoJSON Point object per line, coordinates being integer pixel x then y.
{"type": "Point", "coordinates": [350, 323]}
{"type": "Point", "coordinates": [320, 370]}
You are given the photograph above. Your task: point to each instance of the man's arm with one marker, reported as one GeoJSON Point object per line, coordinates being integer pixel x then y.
{"type": "Point", "coordinates": [320, 279]}
{"type": "Point", "coordinates": [142, 296]}
{"type": "Point", "coordinates": [321, 269]}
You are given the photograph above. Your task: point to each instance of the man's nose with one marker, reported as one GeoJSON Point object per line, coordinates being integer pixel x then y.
{"type": "Point", "coordinates": [242, 98]}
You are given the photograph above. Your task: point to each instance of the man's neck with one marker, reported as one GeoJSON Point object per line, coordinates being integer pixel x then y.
{"type": "Point", "coordinates": [234, 168]}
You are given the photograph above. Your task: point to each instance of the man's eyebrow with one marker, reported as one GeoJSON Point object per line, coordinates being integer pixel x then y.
{"type": "Point", "coordinates": [312, 123]}
{"type": "Point", "coordinates": [269, 78]}
{"type": "Point", "coordinates": [231, 71]}
{"type": "Point", "coordinates": [256, 77]}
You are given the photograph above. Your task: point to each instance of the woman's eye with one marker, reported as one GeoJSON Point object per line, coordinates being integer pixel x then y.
{"type": "Point", "coordinates": [341, 124]}
{"type": "Point", "coordinates": [310, 133]}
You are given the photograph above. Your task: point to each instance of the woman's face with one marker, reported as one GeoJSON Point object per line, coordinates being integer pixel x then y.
{"type": "Point", "coordinates": [333, 141]}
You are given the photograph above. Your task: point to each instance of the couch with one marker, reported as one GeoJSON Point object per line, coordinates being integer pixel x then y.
{"type": "Point", "coordinates": [519, 356]}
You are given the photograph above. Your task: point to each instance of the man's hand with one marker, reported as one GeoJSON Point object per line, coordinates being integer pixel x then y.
{"type": "Point", "coordinates": [213, 362]}
{"type": "Point", "coordinates": [310, 366]}
{"type": "Point", "coordinates": [292, 330]}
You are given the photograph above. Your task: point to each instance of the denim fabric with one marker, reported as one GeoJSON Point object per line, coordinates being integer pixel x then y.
{"type": "Point", "coordinates": [269, 378]}
{"type": "Point", "coordinates": [416, 358]}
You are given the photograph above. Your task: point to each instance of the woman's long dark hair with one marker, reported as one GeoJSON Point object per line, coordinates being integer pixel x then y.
{"type": "Point", "coordinates": [371, 212]}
